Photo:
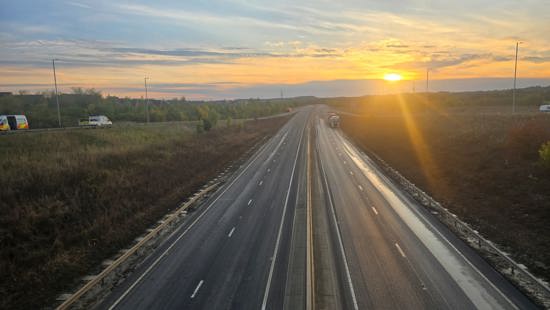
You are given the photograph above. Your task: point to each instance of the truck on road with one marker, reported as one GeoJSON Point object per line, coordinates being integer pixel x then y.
{"type": "Point", "coordinates": [334, 120]}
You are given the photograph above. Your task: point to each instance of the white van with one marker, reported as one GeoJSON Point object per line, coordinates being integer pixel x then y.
{"type": "Point", "coordinates": [13, 122]}
{"type": "Point", "coordinates": [545, 108]}
{"type": "Point", "coordinates": [95, 121]}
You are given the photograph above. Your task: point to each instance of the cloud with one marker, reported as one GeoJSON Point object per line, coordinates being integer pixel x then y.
{"type": "Point", "coordinates": [199, 18]}
{"type": "Point", "coordinates": [78, 4]}
{"type": "Point", "coordinates": [537, 59]}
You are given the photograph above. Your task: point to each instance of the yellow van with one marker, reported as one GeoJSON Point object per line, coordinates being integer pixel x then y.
{"type": "Point", "coordinates": [13, 122]}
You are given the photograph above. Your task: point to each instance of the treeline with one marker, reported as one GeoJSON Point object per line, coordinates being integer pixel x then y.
{"type": "Point", "coordinates": [41, 109]}
{"type": "Point", "coordinates": [525, 97]}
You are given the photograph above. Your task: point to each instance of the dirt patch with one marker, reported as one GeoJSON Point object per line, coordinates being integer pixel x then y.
{"type": "Point", "coordinates": [482, 167]}
{"type": "Point", "coordinates": [71, 199]}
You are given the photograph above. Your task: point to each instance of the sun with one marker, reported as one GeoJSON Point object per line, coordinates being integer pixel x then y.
{"type": "Point", "coordinates": [393, 77]}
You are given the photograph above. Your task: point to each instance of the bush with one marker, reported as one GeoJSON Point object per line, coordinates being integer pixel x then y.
{"type": "Point", "coordinates": [544, 154]}
{"type": "Point", "coordinates": [200, 128]}
{"type": "Point", "coordinates": [206, 124]}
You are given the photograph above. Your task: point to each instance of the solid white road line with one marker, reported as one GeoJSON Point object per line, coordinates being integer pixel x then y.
{"type": "Point", "coordinates": [197, 289]}
{"type": "Point", "coordinates": [249, 202]}
{"type": "Point", "coordinates": [187, 229]}
{"type": "Point", "coordinates": [231, 232]}
{"type": "Point", "coordinates": [276, 250]}
{"type": "Point", "coordinates": [399, 249]}
{"type": "Point", "coordinates": [374, 210]}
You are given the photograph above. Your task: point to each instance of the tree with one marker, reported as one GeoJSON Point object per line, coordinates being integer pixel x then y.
{"type": "Point", "coordinates": [544, 154]}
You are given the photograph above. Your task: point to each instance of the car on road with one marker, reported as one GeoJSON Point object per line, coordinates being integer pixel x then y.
{"type": "Point", "coordinates": [545, 108]}
{"type": "Point", "coordinates": [13, 122]}
{"type": "Point", "coordinates": [95, 121]}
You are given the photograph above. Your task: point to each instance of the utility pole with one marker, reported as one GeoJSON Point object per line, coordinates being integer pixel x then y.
{"type": "Point", "coordinates": [146, 100]}
{"type": "Point", "coordinates": [427, 80]}
{"type": "Point", "coordinates": [56, 95]}
{"type": "Point", "coordinates": [515, 77]}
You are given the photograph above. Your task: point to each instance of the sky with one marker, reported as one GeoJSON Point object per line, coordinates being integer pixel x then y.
{"type": "Point", "coordinates": [240, 49]}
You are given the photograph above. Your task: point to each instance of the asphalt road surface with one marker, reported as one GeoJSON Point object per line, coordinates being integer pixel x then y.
{"type": "Point", "coordinates": [308, 222]}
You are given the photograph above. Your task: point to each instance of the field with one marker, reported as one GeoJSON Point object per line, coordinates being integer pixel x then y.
{"type": "Point", "coordinates": [70, 199]}
{"type": "Point", "coordinates": [479, 160]}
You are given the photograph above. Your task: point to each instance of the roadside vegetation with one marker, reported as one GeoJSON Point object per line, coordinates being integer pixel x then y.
{"type": "Point", "coordinates": [70, 199]}
{"type": "Point", "coordinates": [485, 164]}
{"type": "Point", "coordinates": [41, 109]}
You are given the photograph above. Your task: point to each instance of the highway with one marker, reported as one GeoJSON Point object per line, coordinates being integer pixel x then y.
{"type": "Point", "coordinates": [389, 252]}
{"type": "Point", "coordinates": [308, 222]}
{"type": "Point", "coordinates": [235, 251]}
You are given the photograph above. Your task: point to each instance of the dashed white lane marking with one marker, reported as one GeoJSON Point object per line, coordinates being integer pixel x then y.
{"type": "Point", "coordinates": [268, 170]}
{"type": "Point", "coordinates": [399, 249]}
{"type": "Point", "coordinates": [351, 172]}
{"type": "Point", "coordinates": [231, 232]}
{"type": "Point", "coordinates": [345, 162]}
{"type": "Point", "coordinates": [374, 210]}
{"type": "Point", "coordinates": [261, 182]}
{"type": "Point", "coordinates": [360, 187]}
{"type": "Point", "coordinates": [249, 202]}
{"type": "Point", "coordinates": [197, 289]}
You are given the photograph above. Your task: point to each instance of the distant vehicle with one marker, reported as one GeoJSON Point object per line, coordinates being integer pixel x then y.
{"type": "Point", "coordinates": [545, 108]}
{"type": "Point", "coordinates": [334, 120]}
{"type": "Point", "coordinates": [13, 122]}
{"type": "Point", "coordinates": [95, 121]}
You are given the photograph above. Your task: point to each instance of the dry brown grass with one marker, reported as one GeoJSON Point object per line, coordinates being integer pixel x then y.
{"type": "Point", "coordinates": [71, 199]}
{"type": "Point", "coordinates": [483, 166]}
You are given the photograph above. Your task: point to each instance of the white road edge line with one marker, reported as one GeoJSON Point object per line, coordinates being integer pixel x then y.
{"type": "Point", "coordinates": [340, 243]}
{"type": "Point", "coordinates": [400, 250]}
{"type": "Point", "coordinates": [197, 289]}
{"type": "Point", "coordinates": [424, 220]}
{"type": "Point", "coordinates": [375, 211]}
{"type": "Point", "coordinates": [113, 306]}
{"type": "Point", "coordinates": [275, 252]}
{"type": "Point", "coordinates": [231, 232]}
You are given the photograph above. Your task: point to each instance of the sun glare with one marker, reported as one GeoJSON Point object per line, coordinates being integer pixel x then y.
{"type": "Point", "coordinates": [392, 77]}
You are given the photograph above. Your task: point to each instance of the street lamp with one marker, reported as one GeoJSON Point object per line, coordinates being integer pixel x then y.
{"type": "Point", "coordinates": [56, 95]}
{"type": "Point", "coordinates": [515, 77]}
{"type": "Point", "coordinates": [146, 100]}
{"type": "Point", "coordinates": [427, 79]}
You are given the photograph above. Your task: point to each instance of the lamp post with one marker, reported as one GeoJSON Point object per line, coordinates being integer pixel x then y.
{"type": "Point", "coordinates": [515, 78]}
{"type": "Point", "coordinates": [56, 94]}
{"type": "Point", "coordinates": [146, 100]}
{"type": "Point", "coordinates": [427, 79]}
